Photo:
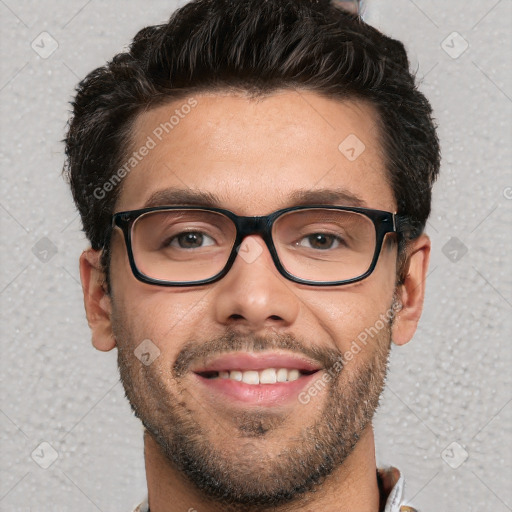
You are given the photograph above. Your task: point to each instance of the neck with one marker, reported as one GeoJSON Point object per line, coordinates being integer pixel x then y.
{"type": "Point", "coordinates": [353, 486]}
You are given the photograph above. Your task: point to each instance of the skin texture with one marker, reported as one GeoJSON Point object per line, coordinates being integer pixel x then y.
{"type": "Point", "coordinates": [253, 155]}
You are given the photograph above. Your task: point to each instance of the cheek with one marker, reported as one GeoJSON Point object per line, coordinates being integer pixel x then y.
{"type": "Point", "coordinates": [140, 311]}
{"type": "Point", "coordinates": [346, 314]}
{"type": "Point", "coordinates": [165, 316]}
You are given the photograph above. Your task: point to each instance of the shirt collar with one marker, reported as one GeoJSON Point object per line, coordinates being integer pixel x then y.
{"type": "Point", "coordinates": [391, 488]}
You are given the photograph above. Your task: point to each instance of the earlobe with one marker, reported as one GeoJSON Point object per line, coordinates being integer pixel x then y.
{"type": "Point", "coordinates": [411, 291]}
{"type": "Point", "coordinates": [97, 302]}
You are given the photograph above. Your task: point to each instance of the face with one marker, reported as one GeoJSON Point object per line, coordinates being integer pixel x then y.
{"type": "Point", "coordinates": [232, 439]}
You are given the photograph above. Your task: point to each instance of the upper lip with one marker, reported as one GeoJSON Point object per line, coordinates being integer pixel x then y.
{"type": "Point", "coordinates": [257, 361]}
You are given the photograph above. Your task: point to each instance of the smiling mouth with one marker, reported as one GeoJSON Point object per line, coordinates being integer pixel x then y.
{"type": "Point", "coordinates": [255, 377]}
{"type": "Point", "coordinates": [248, 379]}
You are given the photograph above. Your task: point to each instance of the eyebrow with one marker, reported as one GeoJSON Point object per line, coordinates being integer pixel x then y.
{"type": "Point", "coordinates": [327, 196]}
{"type": "Point", "coordinates": [187, 197]}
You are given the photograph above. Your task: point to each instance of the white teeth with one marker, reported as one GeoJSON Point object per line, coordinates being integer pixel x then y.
{"type": "Point", "coordinates": [267, 376]}
{"type": "Point", "coordinates": [293, 375]}
{"type": "Point", "coordinates": [282, 375]}
{"type": "Point", "coordinates": [251, 377]}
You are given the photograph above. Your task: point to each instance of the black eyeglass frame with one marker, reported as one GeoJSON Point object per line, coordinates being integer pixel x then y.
{"type": "Point", "coordinates": [384, 222]}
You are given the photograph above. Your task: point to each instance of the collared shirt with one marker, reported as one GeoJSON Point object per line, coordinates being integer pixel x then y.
{"type": "Point", "coordinates": [391, 487]}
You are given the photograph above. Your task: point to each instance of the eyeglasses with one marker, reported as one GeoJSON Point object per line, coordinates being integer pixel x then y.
{"type": "Point", "coordinates": [312, 245]}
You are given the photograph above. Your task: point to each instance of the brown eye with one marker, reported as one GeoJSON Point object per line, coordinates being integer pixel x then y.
{"type": "Point", "coordinates": [190, 240]}
{"type": "Point", "coordinates": [321, 241]}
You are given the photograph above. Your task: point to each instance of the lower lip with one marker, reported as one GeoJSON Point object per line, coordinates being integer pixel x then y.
{"type": "Point", "coordinates": [280, 393]}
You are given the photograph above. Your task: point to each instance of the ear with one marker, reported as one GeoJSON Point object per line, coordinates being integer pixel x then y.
{"type": "Point", "coordinates": [412, 290]}
{"type": "Point", "coordinates": [97, 302]}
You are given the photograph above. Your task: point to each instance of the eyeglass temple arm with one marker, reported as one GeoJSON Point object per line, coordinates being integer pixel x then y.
{"type": "Point", "coordinates": [408, 227]}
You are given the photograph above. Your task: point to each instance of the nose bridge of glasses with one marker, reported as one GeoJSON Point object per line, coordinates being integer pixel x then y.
{"type": "Point", "coordinates": [260, 226]}
{"type": "Point", "coordinates": [252, 226]}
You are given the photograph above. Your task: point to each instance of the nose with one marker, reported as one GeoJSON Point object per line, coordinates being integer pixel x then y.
{"type": "Point", "coordinates": [253, 296]}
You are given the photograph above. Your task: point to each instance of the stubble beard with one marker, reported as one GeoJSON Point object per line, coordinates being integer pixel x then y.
{"type": "Point", "coordinates": [248, 477]}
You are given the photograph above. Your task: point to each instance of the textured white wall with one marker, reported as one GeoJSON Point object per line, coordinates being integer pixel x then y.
{"type": "Point", "coordinates": [450, 385]}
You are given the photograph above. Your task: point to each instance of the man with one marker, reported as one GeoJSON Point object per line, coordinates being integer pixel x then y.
{"type": "Point", "coordinates": [254, 178]}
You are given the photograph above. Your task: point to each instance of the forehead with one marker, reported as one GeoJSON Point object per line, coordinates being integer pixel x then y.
{"type": "Point", "coordinates": [254, 156]}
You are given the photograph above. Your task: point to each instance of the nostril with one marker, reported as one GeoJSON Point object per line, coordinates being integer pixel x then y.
{"type": "Point", "coordinates": [236, 316]}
